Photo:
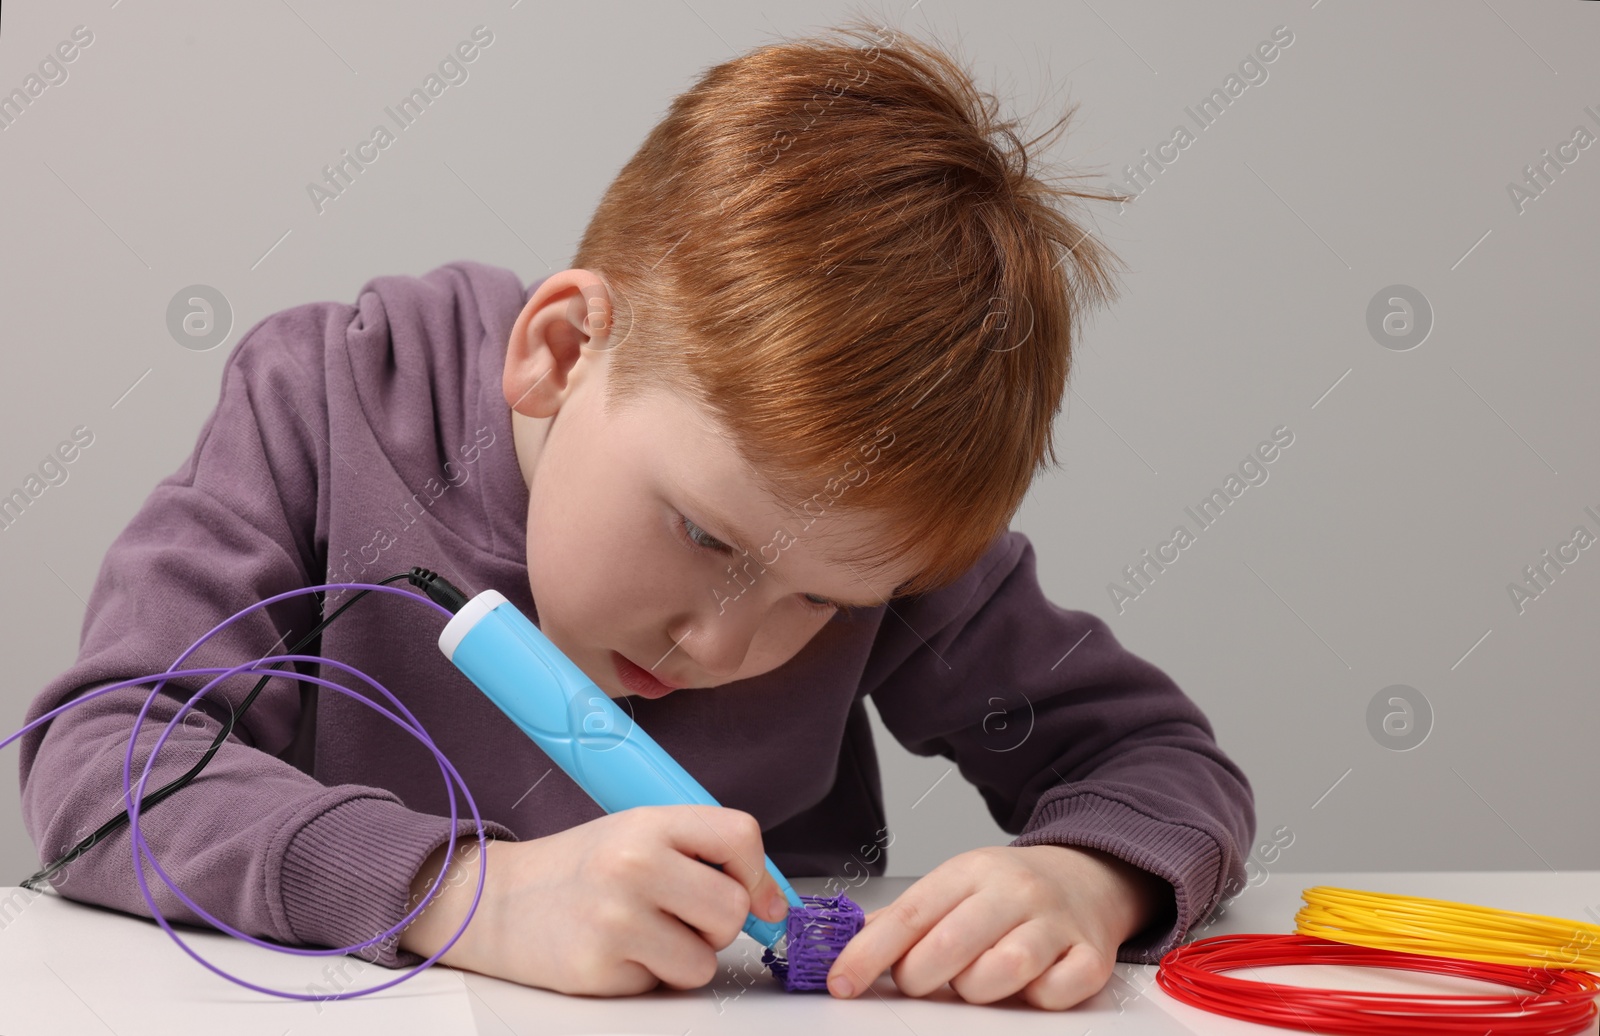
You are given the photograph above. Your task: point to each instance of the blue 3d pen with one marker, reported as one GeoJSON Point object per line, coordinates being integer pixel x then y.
{"type": "Point", "coordinates": [575, 723]}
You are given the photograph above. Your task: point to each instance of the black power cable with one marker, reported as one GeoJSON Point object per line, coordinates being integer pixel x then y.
{"type": "Point", "coordinates": [439, 589]}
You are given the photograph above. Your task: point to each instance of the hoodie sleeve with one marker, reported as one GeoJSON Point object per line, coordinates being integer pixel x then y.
{"type": "Point", "coordinates": [255, 841]}
{"type": "Point", "coordinates": [1070, 739]}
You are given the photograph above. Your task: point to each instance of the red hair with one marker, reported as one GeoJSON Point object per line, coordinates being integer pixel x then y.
{"type": "Point", "coordinates": [835, 247]}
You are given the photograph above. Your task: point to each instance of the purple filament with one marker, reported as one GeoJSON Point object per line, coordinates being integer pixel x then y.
{"type": "Point", "coordinates": [142, 849]}
{"type": "Point", "coordinates": [816, 934]}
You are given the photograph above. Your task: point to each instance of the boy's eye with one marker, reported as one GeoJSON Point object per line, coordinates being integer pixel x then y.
{"type": "Point", "coordinates": [700, 538]}
{"type": "Point", "coordinates": [694, 534]}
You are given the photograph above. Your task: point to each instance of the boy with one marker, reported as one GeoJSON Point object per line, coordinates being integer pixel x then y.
{"type": "Point", "coordinates": [750, 460]}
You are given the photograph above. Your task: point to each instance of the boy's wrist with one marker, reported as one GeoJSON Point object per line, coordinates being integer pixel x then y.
{"type": "Point", "coordinates": [443, 915]}
{"type": "Point", "coordinates": [1147, 894]}
{"type": "Point", "coordinates": [1135, 896]}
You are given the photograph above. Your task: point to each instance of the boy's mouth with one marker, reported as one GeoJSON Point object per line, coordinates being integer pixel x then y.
{"type": "Point", "coordinates": [639, 680]}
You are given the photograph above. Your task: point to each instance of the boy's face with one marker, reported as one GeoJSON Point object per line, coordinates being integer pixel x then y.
{"type": "Point", "coordinates": [617, 581]}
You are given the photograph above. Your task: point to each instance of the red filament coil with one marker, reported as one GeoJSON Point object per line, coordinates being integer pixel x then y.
{"type": "Point", "coordinates": [1557, 1003]}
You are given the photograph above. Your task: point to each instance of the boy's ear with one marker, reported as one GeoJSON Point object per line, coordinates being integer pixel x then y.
{"type": "Point", "coordinates": [563, 329]}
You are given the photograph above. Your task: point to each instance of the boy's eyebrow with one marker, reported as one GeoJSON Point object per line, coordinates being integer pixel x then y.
{"type": "Point", "coordinates": [738, 540]}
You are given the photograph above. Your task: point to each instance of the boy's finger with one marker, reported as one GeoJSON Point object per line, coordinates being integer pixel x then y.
{"type": "Point", "coordinates": [697, 893]}
{"type": "Point", "coordinates": [875, 949]}
{"type": "Point", "coordinates": [731, 839]}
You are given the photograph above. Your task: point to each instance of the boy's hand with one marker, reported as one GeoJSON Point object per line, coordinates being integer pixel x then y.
{"type": "Point", "coordinates": [611, 907]}
{"type": "Point", "coordinates": [999, 919]}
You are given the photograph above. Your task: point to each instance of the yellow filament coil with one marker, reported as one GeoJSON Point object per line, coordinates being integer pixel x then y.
{"type": "Point", "coordinates": [1442, 928]}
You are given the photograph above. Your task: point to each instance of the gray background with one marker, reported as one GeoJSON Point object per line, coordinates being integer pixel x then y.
{"type": "Point", "coordinates": [1377, 152]}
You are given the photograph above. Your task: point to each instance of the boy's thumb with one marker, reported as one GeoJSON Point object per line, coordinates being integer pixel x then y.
{"type": "Point", "coordinates": [773, 904]}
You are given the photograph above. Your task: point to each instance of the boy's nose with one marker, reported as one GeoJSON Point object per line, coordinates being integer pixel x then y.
{"type": "Point", "coordinates": [717, 643]}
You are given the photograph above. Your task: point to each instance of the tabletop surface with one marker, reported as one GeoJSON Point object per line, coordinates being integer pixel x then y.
{"type": "Point", "coordinates": [70, 968]}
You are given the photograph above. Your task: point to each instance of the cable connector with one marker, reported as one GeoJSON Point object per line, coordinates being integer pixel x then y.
{"type": "Point", "coordinates": [439, 589]}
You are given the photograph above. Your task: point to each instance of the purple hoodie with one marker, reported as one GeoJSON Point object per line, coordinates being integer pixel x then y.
{"type": "Point", "coordinates": [352, 442]}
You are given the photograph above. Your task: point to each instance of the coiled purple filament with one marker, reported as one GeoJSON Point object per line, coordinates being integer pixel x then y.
{"type": "Point", "coordinates": [816, 934]}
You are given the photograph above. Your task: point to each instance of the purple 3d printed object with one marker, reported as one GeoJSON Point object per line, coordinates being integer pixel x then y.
{"type": "Point", "coordinates": [816, 934]}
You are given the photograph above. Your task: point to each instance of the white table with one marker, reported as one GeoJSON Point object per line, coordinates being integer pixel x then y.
{"type": "Point", "coordinates": [73, 969]}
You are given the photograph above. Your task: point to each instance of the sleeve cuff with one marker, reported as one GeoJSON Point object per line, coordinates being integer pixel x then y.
{"type": "Point", "coordinates": [1186, 857]}
{"type": "Point", "coordinates": [347, 874]}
